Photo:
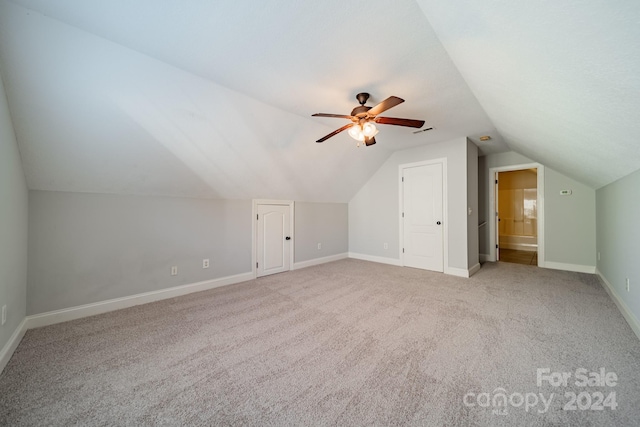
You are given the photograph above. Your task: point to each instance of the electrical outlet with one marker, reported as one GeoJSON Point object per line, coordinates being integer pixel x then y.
{"type": "Point", "coordinates": [205, 263]}
{"type": "Point", "coordinates": [319, 246]}
{"type": "Point", "coordinates": [174, 270]}
{"type": "Point", "coordinates": [627, 284]}
{"type": "Point", "coordinates": [386, 246]}
{"type": "Point", "coordinates": [4, 314]}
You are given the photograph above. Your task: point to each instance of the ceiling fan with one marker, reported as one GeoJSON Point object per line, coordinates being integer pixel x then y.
{"type": "Point", "coordinates": [362, 127]}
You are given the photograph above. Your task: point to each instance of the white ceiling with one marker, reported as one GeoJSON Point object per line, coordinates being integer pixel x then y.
{"type": "Point", "coordinates": [560, 80]}
{"type": "Point", "coordinates": [214, 99]}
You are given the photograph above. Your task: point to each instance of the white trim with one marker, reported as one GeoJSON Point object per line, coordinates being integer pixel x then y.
{"type": "Point", "coordinates": [445, 210]}
{"type": "Point", "coordinates": [378, 259]}
{"type": "Point", "coordinates": [578, 268]}
{"type": "Point", "coordinates": [461, 272]}
{"type": "Point", "coordinates": [454, 271]}
{"type": "Point", "coordinates": [11, 345]}
{"type": "Point", "coordinates": [318, 261]}
{"type": "Point", "coordinates": [73, 313]}
{"type": "Point", "coordinates": [621, 304]}
{"type": "Point", "coordinates": [473, 270]}
{"type": "Point", "coordinates": [254, 229]}
{"type": "Point", "coordinates": [492, 210]}
{"type": "Point", "coordinates": [484, 257]}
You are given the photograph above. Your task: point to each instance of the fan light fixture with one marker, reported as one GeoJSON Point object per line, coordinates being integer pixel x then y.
{"type": "Point", "coordinates": [361, 131]}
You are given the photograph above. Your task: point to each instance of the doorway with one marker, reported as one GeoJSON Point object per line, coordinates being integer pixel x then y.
{"type": "Point", "coordinates": [422, 215]}
{"type": "Point", "coordinates": [517, 231]}
{"type": "Point", "coordinates": [272, 237]}
{"type": "Point", "coordinates": [517, 197]}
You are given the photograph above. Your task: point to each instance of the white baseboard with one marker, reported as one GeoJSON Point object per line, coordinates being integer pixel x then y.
{"type": "Point", "coordinates": [12, 344]}
{"type": "Point", "coordinates": [622, 306]}
{"type": "Point", "coordinates": [578, 268]}
{"type": "Point", "coordinates": [318, 261]}
{"type": "Point", "coordinates": [72, 313]}
{"type": "Point", "coordinates": [485, 257]}
{"type": "Point", "coordinates": [461, 272]}
{"type": "Point", "coordinates": [372, 258]}
{"type": "Point", "coordinates": [473, 270]}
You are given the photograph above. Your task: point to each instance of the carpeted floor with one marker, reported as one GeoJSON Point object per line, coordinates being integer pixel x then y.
{"type": "Point", "coordinates": [344, 343]}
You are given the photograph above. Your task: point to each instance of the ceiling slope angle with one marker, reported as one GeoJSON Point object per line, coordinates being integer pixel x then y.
{"type": "Point", "coordinates": [560, 81]}
{"type": "Point", "coordinates": [117, 121]}
{"type": "Point", "coordinates": [213, 99]}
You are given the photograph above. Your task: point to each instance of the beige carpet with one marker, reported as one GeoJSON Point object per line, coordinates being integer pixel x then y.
{"type": "Point", "coordinates": [345, 343]}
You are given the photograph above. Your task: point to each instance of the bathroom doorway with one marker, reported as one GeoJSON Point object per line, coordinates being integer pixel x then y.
{"type": "Point", "coordinates": [517, 204]}
{"type": "Point", "coordinates": [517, 219]}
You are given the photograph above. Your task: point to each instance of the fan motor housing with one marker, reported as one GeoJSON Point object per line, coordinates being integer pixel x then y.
{"type": "Point", "coordinates": [360, 111]}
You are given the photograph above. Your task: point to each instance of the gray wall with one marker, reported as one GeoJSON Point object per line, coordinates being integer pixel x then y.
{"type": "Point", "coordinates": [374, 210]}
{"type": "Point", "coordinates": [325, 223]}
{"type": "Point", "coordinates": [86, 248]}
{"type": "Point", "coordinates": [570, 221]}
{"type": "Point", "coordinates": [472, 204]}
{"type": "Point", "coordinates": [618, 237]}
{"type": "Point", "coordinates": [13, 226]}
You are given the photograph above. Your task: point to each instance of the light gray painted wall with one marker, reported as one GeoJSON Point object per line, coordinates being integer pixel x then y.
{"type": "Point", "coordinates": [325, 223]}
{"type": "Point", "coordinates": [483, 209]}
{"type": "Point", "coordinates": [85, 248]}
{"type": "Point", "coordinates": [13, 226]}
{"type": "Point", "coordinates": [618, 237]}
{"type": "Point", "coordinates": [374, 211]}
{"type": "Point", "coordinates": [472, 203]}
{"type": "Point", "coordinates": [569, 220]}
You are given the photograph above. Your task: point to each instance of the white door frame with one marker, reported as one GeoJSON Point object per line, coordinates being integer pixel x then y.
{"type": "Point", "coordinates": [445, 217]}
{"type": "Point", "coordinates": [539, 206]}
{"type": "Point", "coordinates": [254, 228]}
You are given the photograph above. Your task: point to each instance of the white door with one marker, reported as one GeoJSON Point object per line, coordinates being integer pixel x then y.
{"type": "Point", "coordinates": [422, 217]}
{"type": "Point", "coordinates": [273, 240]}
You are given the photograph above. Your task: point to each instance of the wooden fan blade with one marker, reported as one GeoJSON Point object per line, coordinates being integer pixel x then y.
{"type": "Point", "coordinates": [399, 122]}
{"type": "Point", "coordinates": [390, 102]}
{"type": "Point", "coordinates": [339, 116]}
{"type": "Point", "coordinates": [369, 141]}
{"type": "Point", "coordinates": [335, 132]}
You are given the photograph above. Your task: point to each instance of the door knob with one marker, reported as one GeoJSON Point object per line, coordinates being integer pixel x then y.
{"type": "Point", "coordinates": [287, 238]}
{"type": "Point", "coordinates": [438, 222]}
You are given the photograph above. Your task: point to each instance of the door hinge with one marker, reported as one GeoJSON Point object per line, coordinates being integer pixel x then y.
{"type": "Point", "coordinates": [256, 217]}
{"type": "Point", "coordinates": [496, 246]}
{"type": "Point", "coordinates": [496, 181]}
{"type": "Point", "coordinates": [256, 265]}
{"type": "Point", "coordinates": [402, 214]}
{"type": "Point", "coordinates": [402, 250]}
{"type": "Point", "coordinates": [403, 179]}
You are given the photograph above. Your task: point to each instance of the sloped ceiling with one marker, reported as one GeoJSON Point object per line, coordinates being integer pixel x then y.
{"type": "Point", "coordinates": [213, 99]}
{"type": "Point", "coordinates": [560, 80]}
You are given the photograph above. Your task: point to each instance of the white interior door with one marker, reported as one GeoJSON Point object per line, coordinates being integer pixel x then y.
{"type": "Point", "coordinates": [422, 217]}
{"type": "Point", "coordinates": [273, 239]}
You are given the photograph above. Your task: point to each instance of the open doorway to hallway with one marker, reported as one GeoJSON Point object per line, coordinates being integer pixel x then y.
{"type": "Point", "coordinates": [517, 216]}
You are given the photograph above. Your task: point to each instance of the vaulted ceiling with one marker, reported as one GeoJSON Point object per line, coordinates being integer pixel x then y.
{"type": "Point", "coordinates": [214, 99]}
